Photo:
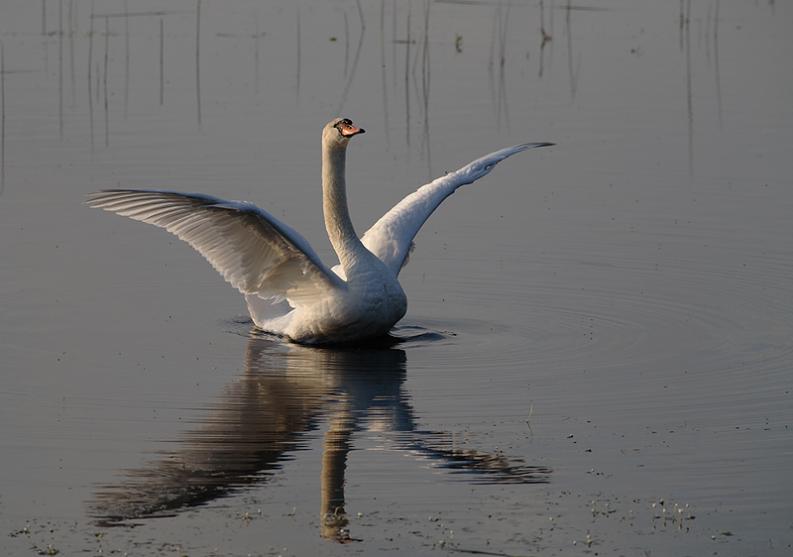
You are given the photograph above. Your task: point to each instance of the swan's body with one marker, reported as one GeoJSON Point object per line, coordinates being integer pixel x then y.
{"type": "Point", "coordinates": [289, 291]}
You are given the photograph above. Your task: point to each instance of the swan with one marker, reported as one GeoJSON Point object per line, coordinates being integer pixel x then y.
{"type": "Point", "coordinates": [289, 291]}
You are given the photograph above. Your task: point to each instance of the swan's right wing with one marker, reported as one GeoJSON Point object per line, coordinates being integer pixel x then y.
{"type": "Point", "coordinates": [253, 251]}
{"type": "Point", "coordinates": [391, 237]}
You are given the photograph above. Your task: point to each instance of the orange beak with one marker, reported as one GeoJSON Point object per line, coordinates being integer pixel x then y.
{"type": "Point", "coordinates": [350, 130]}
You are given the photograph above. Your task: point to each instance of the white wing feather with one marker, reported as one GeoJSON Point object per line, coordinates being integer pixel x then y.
{"type": "Point", "coordinates": [391, 237]}
{"type": "Point", "coordinates": [255, 253]}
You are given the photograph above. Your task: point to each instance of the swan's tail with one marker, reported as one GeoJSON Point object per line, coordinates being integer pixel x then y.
{"type": "Point", "coordinates": [269, 314]}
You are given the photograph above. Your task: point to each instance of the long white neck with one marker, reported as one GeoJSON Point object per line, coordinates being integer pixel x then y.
{"type": "Point", "coordinates": [334, 206]}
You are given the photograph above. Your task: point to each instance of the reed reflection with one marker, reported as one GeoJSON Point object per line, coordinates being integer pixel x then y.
{"type": "Point", "coordinates": [2, 118]}
{"type": "Point", "coordinates": [263, 417]}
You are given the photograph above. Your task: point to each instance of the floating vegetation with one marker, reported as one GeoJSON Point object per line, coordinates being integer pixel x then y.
{"type": "Point", "coordinates": [676, 515]}
{"type": "Point", "coordinates": [21, 532]}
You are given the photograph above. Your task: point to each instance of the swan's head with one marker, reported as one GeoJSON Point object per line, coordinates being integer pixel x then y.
{"type": "Point", "coordinates": [339, 131]}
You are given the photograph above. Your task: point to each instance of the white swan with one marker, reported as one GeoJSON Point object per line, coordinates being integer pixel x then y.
{"type": "Point", "coordinates": [289, 291]}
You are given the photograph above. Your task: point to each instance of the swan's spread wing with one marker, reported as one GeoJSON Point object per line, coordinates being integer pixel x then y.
{"type": "Point", "coordinates": [253, 251]}
{"type": "Point", "coordinates": [391, 237]}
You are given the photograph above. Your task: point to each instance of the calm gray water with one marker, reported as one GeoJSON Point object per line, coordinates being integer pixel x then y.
{"type": "Point", "coordinates": [597, 356]}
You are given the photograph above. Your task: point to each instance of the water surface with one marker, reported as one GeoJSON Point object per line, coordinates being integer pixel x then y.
{"type": "Point", "coordinates": [597, 354]}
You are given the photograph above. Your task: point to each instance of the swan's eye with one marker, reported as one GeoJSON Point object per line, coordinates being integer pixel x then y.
{"type": "Point", "coordinates": [347, 129]}
{"type": "Point", "coordinates": [341, 124]}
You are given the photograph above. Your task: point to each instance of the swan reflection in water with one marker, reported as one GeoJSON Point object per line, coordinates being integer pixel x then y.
{"type": "Point", "coordinates": [263, 416]}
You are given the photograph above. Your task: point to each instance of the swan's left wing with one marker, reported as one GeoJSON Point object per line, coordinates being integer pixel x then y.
{"type": "Point", "coordinates": [391, 237]}
{"type": "Point", "coordinates": [253, 250]}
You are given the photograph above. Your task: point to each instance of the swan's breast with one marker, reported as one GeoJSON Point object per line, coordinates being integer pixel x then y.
{"type": "Point", "coordinates": [373, 302]}
{"type": "Point", "coordinates": [378, 296]}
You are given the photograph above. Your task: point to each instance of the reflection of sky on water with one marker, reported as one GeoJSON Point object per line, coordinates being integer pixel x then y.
{"type": "Point", "coordinates": [631, 285]}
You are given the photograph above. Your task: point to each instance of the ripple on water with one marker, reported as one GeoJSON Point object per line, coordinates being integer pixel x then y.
{"type": "Point", "coordinates": [705, 319]}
